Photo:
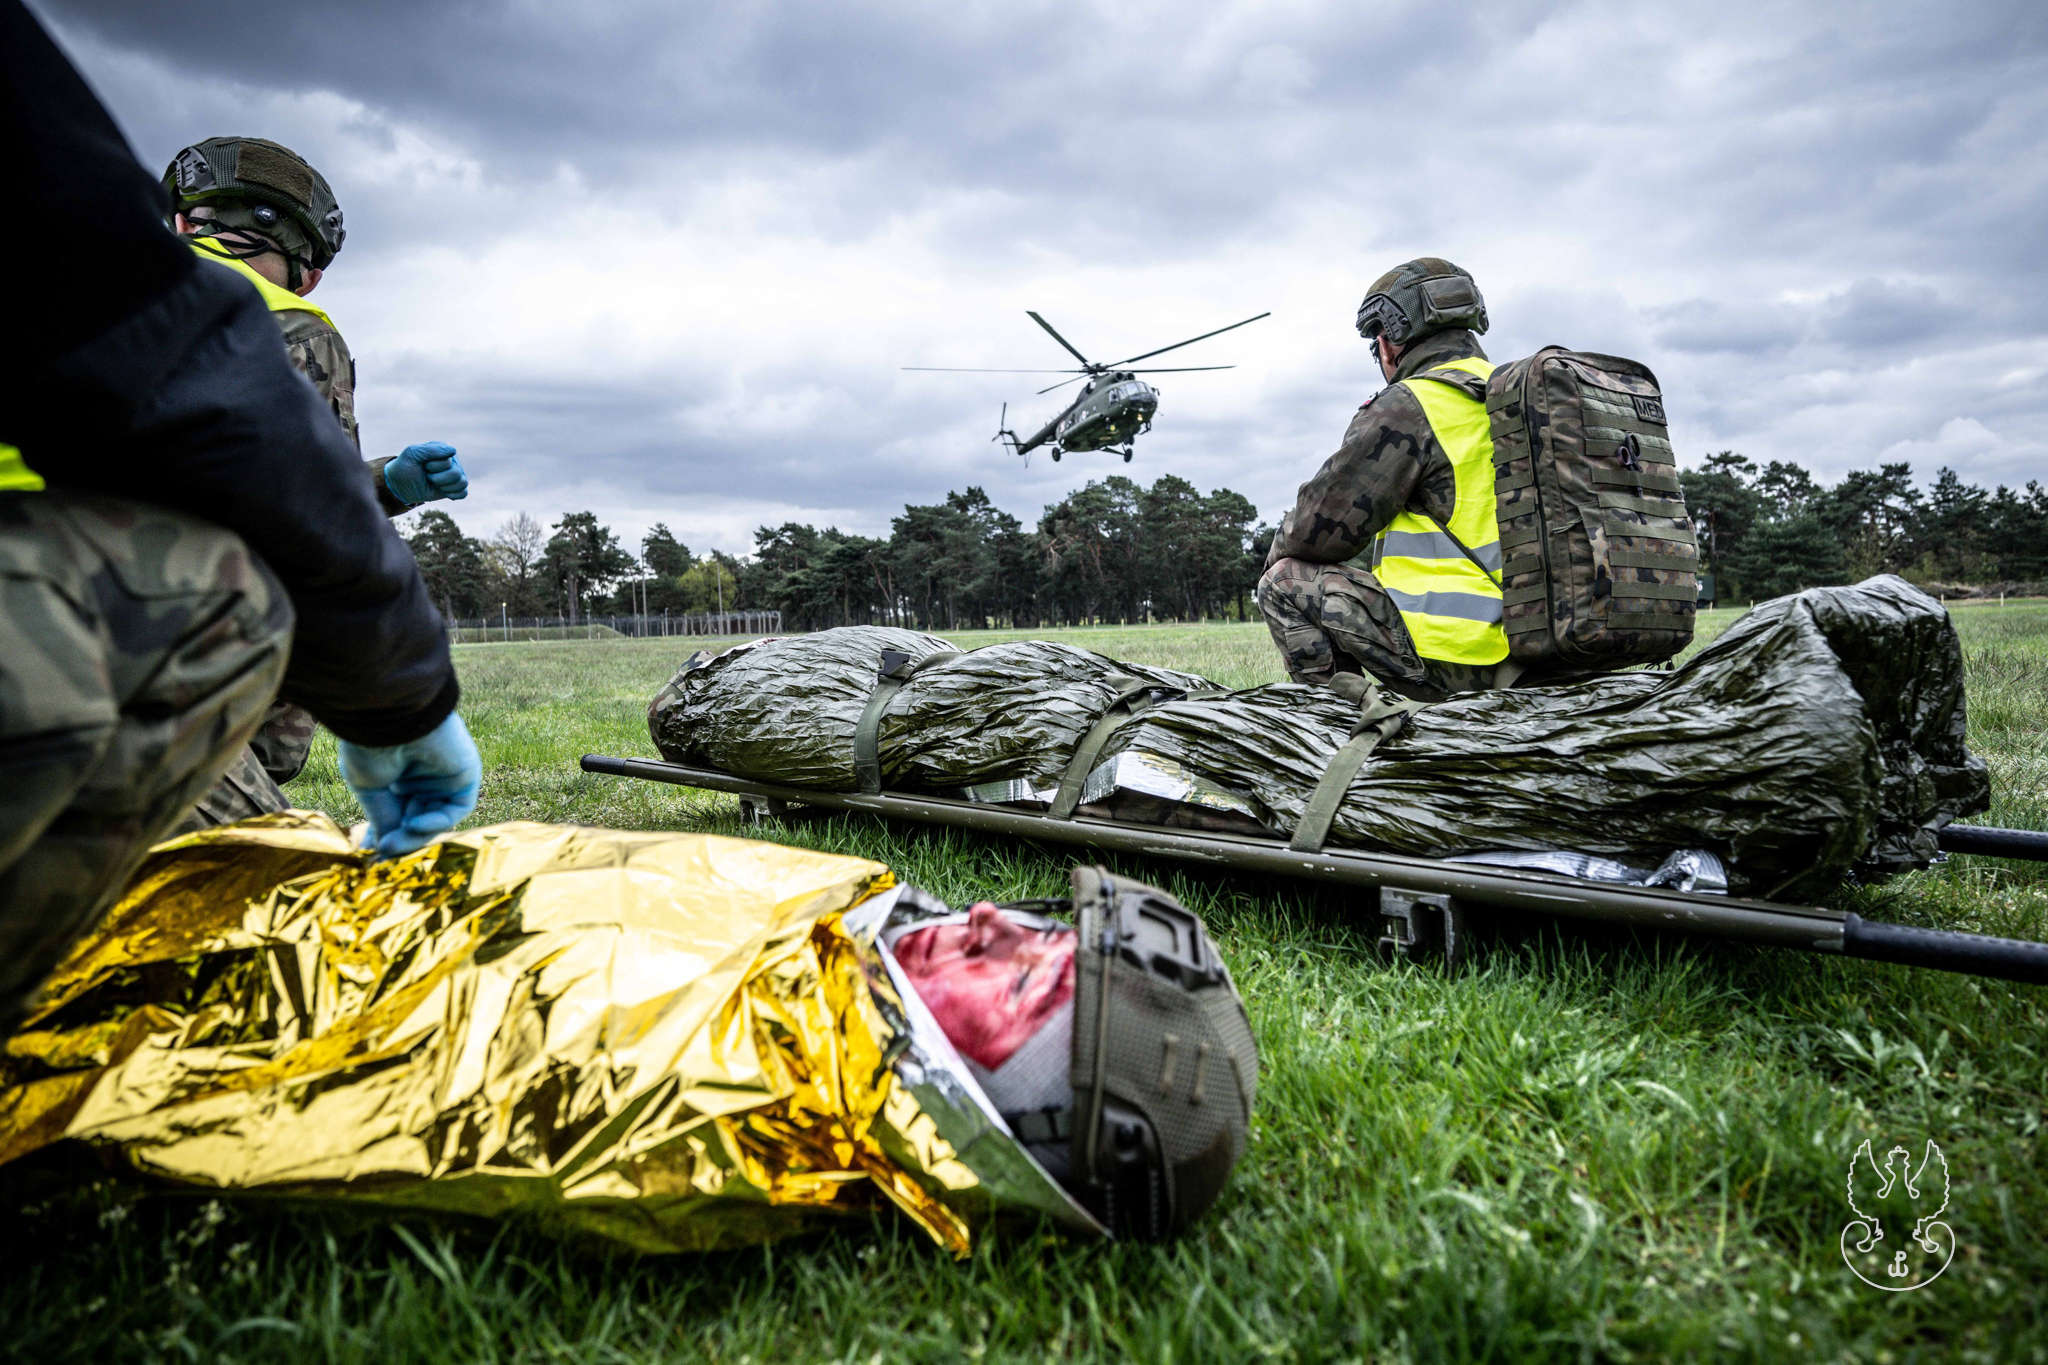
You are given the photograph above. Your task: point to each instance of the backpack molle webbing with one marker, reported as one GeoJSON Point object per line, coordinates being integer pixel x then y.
{"type": "Point", "coordinates": [1601, 566]}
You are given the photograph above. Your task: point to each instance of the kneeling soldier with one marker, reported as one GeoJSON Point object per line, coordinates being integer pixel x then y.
{"type": "Point", "coordinates": [262, 211]}
{"type": "Point", "coordinates": [1386, 564]}
{"type": "Point", "coordinates": [184, 534]}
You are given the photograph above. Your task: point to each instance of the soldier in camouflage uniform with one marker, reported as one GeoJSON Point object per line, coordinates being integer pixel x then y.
{"type": "Point", "coordinates": [263, 211]}
{"type": "Point", "coordinates": [184, 533]}
{"type": "Point", "coordinates": [144, 647]}
{"type": "Point", "coordinates": [1328, 609]}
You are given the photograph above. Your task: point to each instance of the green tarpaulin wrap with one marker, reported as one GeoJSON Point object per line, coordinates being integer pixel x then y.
{"type": "Point", "coordinates": [1820, 736]}
{"type": "Point", "coordinates": [788, 710]}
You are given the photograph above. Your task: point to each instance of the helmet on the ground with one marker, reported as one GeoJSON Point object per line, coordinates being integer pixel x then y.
{"type": "Point", "coordinates": [256, 185]}
{"type": "Point", "coordinates": [1422, 296]}
{"type": "Point", "coordinates": [1164, 1065]}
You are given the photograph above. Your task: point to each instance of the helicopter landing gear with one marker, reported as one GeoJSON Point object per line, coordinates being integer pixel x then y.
{"type": "Point", "coordinates": [1055, 457]}
{"type": "Point", "coordinates": [1127, 454]}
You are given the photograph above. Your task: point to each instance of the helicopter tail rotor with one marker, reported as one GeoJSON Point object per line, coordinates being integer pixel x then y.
{"type": "Point", "coordinates": [1003, 433]}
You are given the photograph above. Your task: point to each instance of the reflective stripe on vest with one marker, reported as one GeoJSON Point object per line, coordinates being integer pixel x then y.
{"type": "Point", "coordinates": [15, 475]}
{"type": "Point", "coordinates": [276, 297]}
{"type": "Point", "coordinates": [1435, 545]}
{"type": "Point", "coordinates": [1450, 606]}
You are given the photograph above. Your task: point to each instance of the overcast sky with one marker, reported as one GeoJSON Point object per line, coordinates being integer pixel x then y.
{"type": "Point", "coordinates": [664, 261]}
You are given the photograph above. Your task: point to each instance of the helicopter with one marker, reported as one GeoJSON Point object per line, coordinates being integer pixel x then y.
{"type": "Point", "coordinates": [1114, 406]}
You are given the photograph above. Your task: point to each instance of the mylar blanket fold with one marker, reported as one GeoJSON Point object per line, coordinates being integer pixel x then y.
{"type": "Point", "coordinates": [674, 1042]}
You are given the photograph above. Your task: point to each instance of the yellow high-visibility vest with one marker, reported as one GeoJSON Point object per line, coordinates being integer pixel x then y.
{"type": "Point", "coordinates": [276, 297]}
{"type": "Point", "coordinates": [1451, 607]}
{"type": "Point", "coordinates": [15, 475]}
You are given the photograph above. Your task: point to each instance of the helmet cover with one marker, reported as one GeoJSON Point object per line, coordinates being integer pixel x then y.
{"type": "Point", "coordinates": [1419, 297]}
{"type": "Point", "coordinates": [1165, 1069]}
{"type": "Point", "coordinates": [258, 185]}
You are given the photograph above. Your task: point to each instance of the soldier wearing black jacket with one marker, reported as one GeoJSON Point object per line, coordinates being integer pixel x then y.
{"type": "Point", "coordinates": [185, 532]}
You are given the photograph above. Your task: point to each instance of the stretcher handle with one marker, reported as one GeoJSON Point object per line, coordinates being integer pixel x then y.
{"type": "Point", "coordinates": [2010, 958]}
{"type": "Point", "coordinates": [2030, 844]}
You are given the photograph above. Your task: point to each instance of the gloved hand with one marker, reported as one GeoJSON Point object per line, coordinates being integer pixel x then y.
{"type": "Point", "coordinates": [425, 472]}
{"type": "Point", "coordinates": [413, 791]}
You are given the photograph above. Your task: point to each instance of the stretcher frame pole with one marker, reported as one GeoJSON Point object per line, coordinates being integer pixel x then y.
{"type": "Point", "coordinates": [1991, 842]}
{"type": "Point", "coordinates": [1808, 928]}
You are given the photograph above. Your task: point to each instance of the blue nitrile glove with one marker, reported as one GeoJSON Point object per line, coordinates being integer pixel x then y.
{"type": "Point", "coordinates": [426, 472]}
{"type": "Point", "coordinates": [413, 791]}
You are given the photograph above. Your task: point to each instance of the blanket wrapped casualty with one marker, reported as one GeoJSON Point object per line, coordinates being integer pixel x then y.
{"type": "Point", "coordinates": [1820, 736]}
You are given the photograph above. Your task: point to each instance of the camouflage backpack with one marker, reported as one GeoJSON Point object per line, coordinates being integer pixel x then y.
{"type": "Point", "coordinates": [1600, 567]}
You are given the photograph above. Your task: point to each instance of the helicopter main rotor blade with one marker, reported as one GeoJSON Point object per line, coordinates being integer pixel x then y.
{"type": "Point", "coordinates": [957, 369]}
{"type": "Point", "coordinates": [1178, 344]}
{"type": "Point", "coordinates": [1178, 369]}
{"type": "Point", "coordinates": [1060, 339]}
{"type": "Point", "coordinates": [1061, 385]}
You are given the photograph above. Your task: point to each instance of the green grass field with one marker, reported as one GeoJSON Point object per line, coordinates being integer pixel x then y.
{"type": "Point", "coordinates": [1592, 1145]}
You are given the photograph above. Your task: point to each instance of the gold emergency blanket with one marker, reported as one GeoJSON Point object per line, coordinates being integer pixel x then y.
{"type": "Point", "coordinates": [667, 1041]}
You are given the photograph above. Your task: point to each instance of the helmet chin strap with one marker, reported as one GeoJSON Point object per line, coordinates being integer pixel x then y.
{"type": "Point", "coordinates": [249, 247]}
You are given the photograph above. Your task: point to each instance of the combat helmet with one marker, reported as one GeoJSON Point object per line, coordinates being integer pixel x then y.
{"type": "Point", "coordinates": [257, 185]}
{"type": "Point", "coordinates": [1422, 296]}
{"type": "Point", "coordinates": [1164, 1066]}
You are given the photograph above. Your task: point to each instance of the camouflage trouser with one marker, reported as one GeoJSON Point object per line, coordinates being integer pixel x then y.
{"type": "Point", "coordinates": [285, 741]}
{"type": "Point", "coordinates": [245, 789]}
{"type": "Point", "coordinates": [139, 648]}
{"type": "Point", "coordinates": [251, 785]}
{"type": "Point", "coordinates": [1332, 619]}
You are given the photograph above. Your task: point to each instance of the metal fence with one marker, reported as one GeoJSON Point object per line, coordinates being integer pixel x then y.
{"type": "Point", "coordinates": [506, 628]}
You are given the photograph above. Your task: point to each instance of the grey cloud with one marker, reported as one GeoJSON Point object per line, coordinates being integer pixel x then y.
{"type": "Point", "coordinates": [1709, 325]}
{"type": "Point", "coordinates": [1875, 313]}
{"type": "Point", "coordinates": [1883, 160]}
{"type": "Point", "coordinates": [1090, 116]}
{"type": "Point", "coordinates": [1109, 132]}
{"type": "Point", "coordinates": [1868, 315]}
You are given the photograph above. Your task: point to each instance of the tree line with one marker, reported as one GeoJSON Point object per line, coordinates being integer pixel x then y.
{"type": "Point", "coordinates": [1776, 529]}
{"type": "Point", "coordinates": [1114, 550]}
{"type": "Point", "coordinates": [1117, 550]}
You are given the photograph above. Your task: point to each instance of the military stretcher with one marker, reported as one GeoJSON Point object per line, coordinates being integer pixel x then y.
{"type": "Point", "coordinates": [1425, 907]}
